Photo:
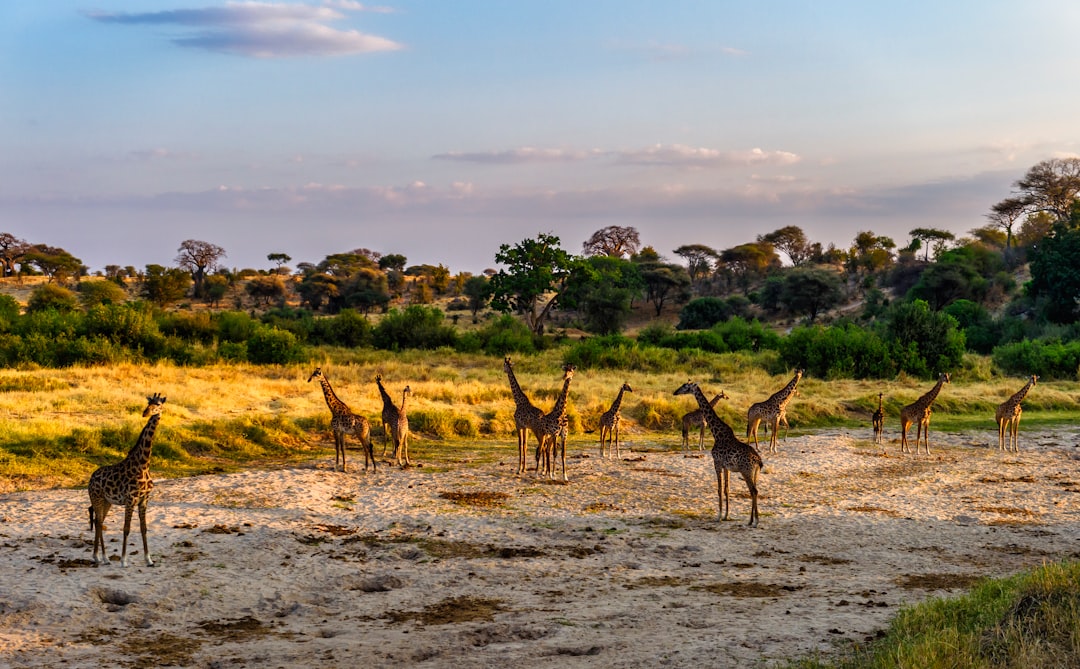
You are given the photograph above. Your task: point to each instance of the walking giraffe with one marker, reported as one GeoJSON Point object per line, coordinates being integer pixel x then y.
{"type": "Point", "coordinates": [609, 422]}
{"type": "Point", "coordinates": [526, 417]}
{"type": "Point", "coordinates": [919, 412]}
{"type": "Point", "coordinates": [728, 453]}
{"type": "Point", "coordinates": [551, 426]}
{"type": "Point", "coordinates": [878, 420]}
{"type": "Point", "coordinates": [396, 423]}
{"type": "Point", "coordinates": [1008, 418]}
{"type": "Point", "coordinates": [696, 419]}
{"type": "Point", "coordinates": [127, 482]}
{"type": "Point", "coordinates": [343, 421]}
{"type": "Point", "coordinates": [772, 411]}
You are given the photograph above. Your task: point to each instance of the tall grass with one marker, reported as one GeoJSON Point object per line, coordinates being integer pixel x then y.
{"type": "Point", "coordinates": [60, 424]}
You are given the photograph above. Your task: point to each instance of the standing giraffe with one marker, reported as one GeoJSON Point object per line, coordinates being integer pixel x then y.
{"type": "Point", "coordinates": [728, 453]}
{"type": "Point", "coordinates": [919, 412]}
{"type": "Point", "coordinates": [553, 425]}
{"type": "Point", "coordinates": [1008, 418]}
{"type": "Point", "coordinates": [395, 422]}
{"type": "Point", "coordinates": [343, 421]}
{"type": "Point", "coordinates": [609, 422]}
{"type": "Point", "coordinates": [879, 420]}
{"type": "Point", "coordinates": [696, 419]}
{"type": "Point", "coordinates": [128, 483]}
{"type": "Point", "coordinates": [526, 416]}
{"type": "Point", "coordinates": [772, 411]}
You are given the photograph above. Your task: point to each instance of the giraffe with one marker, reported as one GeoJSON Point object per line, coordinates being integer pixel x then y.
{"type": "Point", "coordinates": [879, 419]}
{"type": "Point", "coordinates": [728, 453]}
{"type": "Point", "coordinates": [1008, 418]}
{"type": "Point", "coordinates": [127, 482]}
{"type": "Point", "coordinates": [919, 412]}
{"type": "Point", "coordinates": [553, 425]}
{"type": "Point", "coordinates": [696, 419]}
{"type": "Point", "coordinates": [773, 411]}
{"type": "Point", "coordinates": [526, 416]}
{"type": "Point", "coordinates": [609, 422]}
{"type": "Point", "coordinates": [343, 421]}
{"type": "Point", "coordinates": [396, 422]}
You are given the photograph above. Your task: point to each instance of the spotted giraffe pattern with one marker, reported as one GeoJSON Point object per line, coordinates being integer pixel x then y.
{"type": "Point", "coordinates": [728, 454]}
{"type": "Point", "coordinates": [878, 419]}
{"type": "Point", "coordinates": [128, 483]}
{"type": "Point", "coordinates": [696, 419]}
{"type": "Point", "coordinates": [551, 426]}
{"type": "Point", "coordinates": [772, 411]}
{"type": "Point", "coordinates": [609, 422]}
{"type": "Point", "coordinates": [396, 422]}
{"type": "Point", "coordinates": [343, 421]}
{"type": "Point", "coordinates": [526, 417]}
{"type": "Point", "coordinates": [919, 412]}
{"type": "Point", "coordinates": [1008, 418]}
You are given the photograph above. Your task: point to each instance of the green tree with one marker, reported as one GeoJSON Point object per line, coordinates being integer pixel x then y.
{"type": "Point", "coordinates": [664, 282]}
{"type": "Point", "coordinates": [366, 290]}
{"type": "Point", "coordinates": [266, 289]}
{"type": "Point", "coordinates": [699, 260]}
{"type": "Point", "coordinates": [746, 263]}
{"type": "Point", "coordinates": [164, 285]}
{"type": "Point", "coordinates": [1052, 186]}
{"type": "Point", "coordinates": [215, 288]}
{"type": "Point", "coordinates": [932, 237]}
{"type": "Point", "coordinates": [53, 262]}
{"type": "Point", "coordinates": [922, 341]}
{"type": "Point", "coordinates": [535, 275]}
{"type": "Point", "coordinates": [810, 291]}
{"type": "Point", "coordinates": [12, 251]}
{"type": "Point", "coordinates": [791, 240]}
{"type": "Point", "coordinates": [602, 288]}
{"type": "Point", "coordinates": [1055, 274]}
{"type": "Point", "coordinates": [477, 291]}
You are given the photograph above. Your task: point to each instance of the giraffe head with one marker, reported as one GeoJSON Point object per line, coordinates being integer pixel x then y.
{"type": "Point", "coordinates": [944, 378]}
{"type": "Point", "coordinates": [687, 388]}
{"type": "Point", "coordinates": [626, 387]}
{"type": "Point", "coordinates": [317, 374]}
{"type": "Point", "coordinates": [378, 378]}
{"type": "Point", "coordinates": [507, 365]}
{"type": "Point", "coordinates": [568, 371]}
{"type": "Point", "coordinates": [1034, 378]}
{"type": "Point", "coordinates": [154, 405]}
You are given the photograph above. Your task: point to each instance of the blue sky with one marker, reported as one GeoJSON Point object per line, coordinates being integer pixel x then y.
{"type": "Point", "coordinates": [440, 130]}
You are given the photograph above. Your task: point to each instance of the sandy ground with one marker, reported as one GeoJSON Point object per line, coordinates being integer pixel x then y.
{"type": "Point", "coordinates": [625, 566]}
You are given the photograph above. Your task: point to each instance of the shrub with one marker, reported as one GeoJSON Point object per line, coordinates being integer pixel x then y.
{"type": "Point", "coordinates": [51, 297]}
{"type": "Point", "coordinates": [619, 352]}
{"type": "Point", "coordinates": [348, 328]}
{"type": "Point", "coordinates": [702, 313]}
{"type": "Point", "coordinates": [236, 326]}
{"type": "Point", "coordinates": [418, 326]}
{"type": "Point", "coordinates": [923, 342]}
{"type": "Point", "coordinates": [1048, 359]}
{"type": "Point", "coordinates": [270, 346]}
{"type": "Point", "coordinates": [93, 293]}
{"type": "Point", "coordinates": [120, 324]}
{"type": "Point", "coordinates": [838, 351]}
{"type": "Point", "coordinates": [502, 336]}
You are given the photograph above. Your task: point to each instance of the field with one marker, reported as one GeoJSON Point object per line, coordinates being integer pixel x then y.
{"type": "Point", "coordinates": [266, 557]}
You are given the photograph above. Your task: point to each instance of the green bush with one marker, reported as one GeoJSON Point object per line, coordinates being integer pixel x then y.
{"type": "Point", "coordinates": [702, 313]}
{"type": "Point", "coordinates": [236, 326]}
{"type": "Point", "coordinates": [120, 324]}
{"type": "Point", "coordinates": [418, 326]}
{"type": "Point", "coordinates": [348, 328]}
{"type": "Point", "coordinates": [1048, 359]}
{"type": "Point", "coordinates": [845, 351]}
{"type": "Point", "coordinates": [51, 297]}
{"type": "Point", "coordinates": [504, 335]}
{"type": "Point", "coordinates": [619, 352]}
{"type": "Point", "coordinates": [270, 346]}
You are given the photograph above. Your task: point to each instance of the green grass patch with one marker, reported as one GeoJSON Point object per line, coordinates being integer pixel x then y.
{"type": "Point", "coordinates": [1029, 620]}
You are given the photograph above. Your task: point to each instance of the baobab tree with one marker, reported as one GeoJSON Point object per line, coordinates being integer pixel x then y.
{"type": "Point", "coordinates": [614, 240]}
{"type": "Point", "coordinates": [199, 258]}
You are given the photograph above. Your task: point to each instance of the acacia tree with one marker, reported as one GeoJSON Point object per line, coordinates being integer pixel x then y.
{"type": "Point", "coordinates": [664, 282]}
{"type": "Point", "coordinates": [791, 240]}
{"type": "Point", "coordinates": [536, 270]}
{"type": "Point", "coordinates": [932, 237]}
{"type": "Point", "coordinates": [476, 290]}
{"type": "Point", "coordinates": [614, 240]}
{"type": "Point", "coordinates": [810, 291]}
{"type": "Point", "coordinates": [1052, 186]}
{"type": "Point", "coordinates": [199, 259]}
{"type": "Point", "coordinates": [602, 288]}
{"type": "Point", "coordinates": [164, 285]}
{"type": "Point", "coordinates": [699, 259]}
{"type": "Point", "coordinates": [746, 262]}
{"type": "Point", "coordinates": [1004, 215]}
{"type": "Point", "coordinates": [53, 262]}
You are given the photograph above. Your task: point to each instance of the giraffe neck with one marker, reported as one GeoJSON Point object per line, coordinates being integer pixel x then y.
{"type": "Point", "coordinates": [928, 399]}
{"type": "Point", "coordinates": [332, 401]}
{"type": "Point", "coordinates": [139, 455]}
{"type": "Point", "coordinates": [1022, 393]}
{"type": "Point", "coordinates": [387, 400]}
{"type": "Point", "coordinates": [519, 395]}
{"type": "Point", "coordinates": [404, 395]}
{"type": "Point", "coordinates": [618, 401]}
{"type": "Point", "coordinates": [560, 404]}
{"type": "Point", "coordinates": [783, 396]}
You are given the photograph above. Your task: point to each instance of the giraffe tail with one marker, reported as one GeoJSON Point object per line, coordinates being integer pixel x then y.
{"type": "Point", "coordinates": [90, 510]}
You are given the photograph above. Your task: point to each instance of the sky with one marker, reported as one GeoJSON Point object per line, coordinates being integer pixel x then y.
{"type": "Point", "coordinates": [441, 130]}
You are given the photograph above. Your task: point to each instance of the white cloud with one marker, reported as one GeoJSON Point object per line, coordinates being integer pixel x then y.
{"type": "Point", "coordinates": [263, 29]}
{"type": "Point", "coordinates": [679, 155]}
{"type": "Point", "coordinates": [518, 156]}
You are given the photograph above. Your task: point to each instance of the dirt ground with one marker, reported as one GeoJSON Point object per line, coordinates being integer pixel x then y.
{"type": "Point", "coordinates": [624, 566]}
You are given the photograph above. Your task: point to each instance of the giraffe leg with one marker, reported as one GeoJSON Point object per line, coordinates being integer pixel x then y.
{"type": "Point", "coordinates": [142, 529]}
{"type": "Point", "coordinates": [562, 455]}
{"type": "Point", "coordinates": [128, 509]}
{"type": "Point", "coordinates": [98, 512]}
{"type": "Point", "coordinates": [751, 484]}
{"type": "Point", "coordinates": [727, 494]}
{"type": "Point", "coordinates": [618, 454]}
{"type": "Point", "coordinates": [701, 438]}
{"type": "Point", "coordinates": [773, 438]}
